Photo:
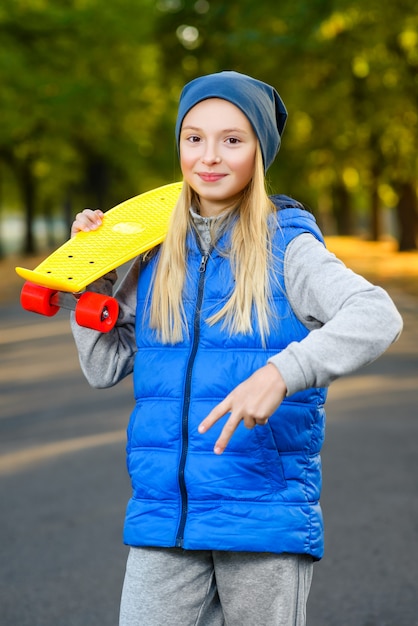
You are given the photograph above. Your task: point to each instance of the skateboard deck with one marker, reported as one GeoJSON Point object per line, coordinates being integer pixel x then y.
{"type": "Point", "coordinates": [129, 229]}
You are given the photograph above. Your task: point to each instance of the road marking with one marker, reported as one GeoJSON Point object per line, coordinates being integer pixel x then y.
{"type": "Point", "coordinates": [34, 331]}
{"type": "Point", "coordinates": [23, 459]}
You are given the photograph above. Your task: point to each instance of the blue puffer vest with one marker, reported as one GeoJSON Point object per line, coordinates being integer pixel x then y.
{"type": "Point", "coordinates": [262, 493]}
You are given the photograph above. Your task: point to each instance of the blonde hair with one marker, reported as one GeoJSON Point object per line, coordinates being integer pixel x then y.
{"type": "Point", "coordinates": [249, 255]}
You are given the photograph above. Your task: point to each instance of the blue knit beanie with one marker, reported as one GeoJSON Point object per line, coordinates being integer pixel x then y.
{"type": "Point", "coordinates": [260, 103]}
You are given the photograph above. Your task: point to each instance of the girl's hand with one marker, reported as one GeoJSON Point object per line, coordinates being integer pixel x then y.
{"type": "Point", "coordinates": [253, 401]}
{"type": "Point", "coordinates": [86, 221]}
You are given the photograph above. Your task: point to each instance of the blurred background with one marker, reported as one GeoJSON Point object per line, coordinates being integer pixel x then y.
{"type": "Point", "coordinates": [89, 91]}
{"type": "Point", "coordinates": [88, 99]}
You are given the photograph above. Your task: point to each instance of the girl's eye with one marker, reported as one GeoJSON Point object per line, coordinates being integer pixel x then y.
{"type": "Point", "coordinates": [194, 139]}
{"type": "Point", "coordinates": [233, 141]}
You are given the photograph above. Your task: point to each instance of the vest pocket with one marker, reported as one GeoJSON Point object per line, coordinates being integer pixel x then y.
{"type": "Point", "coordinates": [271, 457]}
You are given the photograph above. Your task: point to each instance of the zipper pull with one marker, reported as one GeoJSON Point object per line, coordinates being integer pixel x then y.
{"type": "Point", "coordinates": [203, 262]}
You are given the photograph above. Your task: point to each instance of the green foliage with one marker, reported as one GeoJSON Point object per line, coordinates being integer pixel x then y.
{"type": "Point", "coordinates": [348, 74]}
{"type": "Point", "coordinates": [80, 88]}
{"type": "Point", "coordinates": [90, 89]}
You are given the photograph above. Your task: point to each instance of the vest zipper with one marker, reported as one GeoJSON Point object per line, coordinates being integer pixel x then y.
{"type": "Point", "coordinates": [186, 404]}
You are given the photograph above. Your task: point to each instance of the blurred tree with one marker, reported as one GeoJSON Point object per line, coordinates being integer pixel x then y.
{"type": "Point", "coordinates": [90, 89]}
{"type": "Point", "coordinates": [377, 59]}
{"type": "Point", "coordinates": [80, 99]}
{"type": "Point", "coordinates": [347, 72]}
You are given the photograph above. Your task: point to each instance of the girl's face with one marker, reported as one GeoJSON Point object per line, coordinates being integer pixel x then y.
{"type": "Point", "coordinates": [217, 153]}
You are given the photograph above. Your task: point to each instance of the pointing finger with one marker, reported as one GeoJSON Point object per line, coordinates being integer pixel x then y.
{"type": "Point", "coordinates": [226, 434]}
{"type": "Point", "coordinates": [217, 412]}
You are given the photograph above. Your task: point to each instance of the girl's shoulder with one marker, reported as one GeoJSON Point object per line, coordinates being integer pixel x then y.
{"type": "Point", "coordinates": [292, 218]}
{"type": "Point", "coordinates": [282, 202]}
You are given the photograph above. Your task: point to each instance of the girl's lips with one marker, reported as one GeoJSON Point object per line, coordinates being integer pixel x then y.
{"type": "Point", "coordinates": [207, 177]}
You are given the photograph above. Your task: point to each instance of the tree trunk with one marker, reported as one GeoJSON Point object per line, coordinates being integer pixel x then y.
{"type": "Point", "coordinates": [2, 254]}
{"type": "Point", "coordinates": [376, 170]}
{"type": "Point", "coordinates": [407, 211]}
{"type": "Point", "coordinates": [27, 181]}
{"type": "Point", "coordinates": [376, 216]}
{"type": "Point", "coordinates": [97, 181]}
{"type": "Point", "coordinates": [342, 210]}
{"type": "Point", "coordinates": [68, 213]}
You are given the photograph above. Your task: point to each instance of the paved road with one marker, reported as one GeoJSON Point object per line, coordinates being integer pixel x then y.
{"type": "Point", "coordinates": [63, 487]}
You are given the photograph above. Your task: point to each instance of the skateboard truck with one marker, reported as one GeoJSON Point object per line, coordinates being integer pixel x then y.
{"type": "Point", "coordinates": [92, 310]}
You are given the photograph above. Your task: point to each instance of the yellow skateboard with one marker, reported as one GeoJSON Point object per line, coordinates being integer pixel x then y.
{"type": "Point", "coordinates": [129, 229]}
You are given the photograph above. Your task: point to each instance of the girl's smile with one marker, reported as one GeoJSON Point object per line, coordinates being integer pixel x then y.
{"type": "Point", "coordinates": [217, 153]}
{"type": "Point", "coordinates": [209, 177]}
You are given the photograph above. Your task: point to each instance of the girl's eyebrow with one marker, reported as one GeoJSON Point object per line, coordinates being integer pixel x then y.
{"type": "Point", "coordinates": [189, 128]}
{"type": "Point", "coordinates": [223, 131]}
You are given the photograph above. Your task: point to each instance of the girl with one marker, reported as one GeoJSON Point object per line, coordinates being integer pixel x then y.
{"type": "Point", "coordinates": [233, 329]}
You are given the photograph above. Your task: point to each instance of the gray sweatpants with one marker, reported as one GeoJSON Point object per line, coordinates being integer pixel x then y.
{"type": "Point", "coordinates": [211, 588]}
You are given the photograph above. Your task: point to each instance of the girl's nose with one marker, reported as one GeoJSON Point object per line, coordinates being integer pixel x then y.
{"type": "Point", "coordinates": [210, 155]}
{"type": "Point", "coordinates": [210, 158]}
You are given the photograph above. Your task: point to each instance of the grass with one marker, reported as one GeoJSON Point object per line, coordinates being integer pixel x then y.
{"type": "Point", "coordinates": [380, 262]}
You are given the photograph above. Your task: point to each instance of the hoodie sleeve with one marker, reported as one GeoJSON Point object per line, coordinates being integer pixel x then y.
{"type": "Point", "coordinates": [352, 321]}
{"type": "Point", "coordinates": [107, 358]}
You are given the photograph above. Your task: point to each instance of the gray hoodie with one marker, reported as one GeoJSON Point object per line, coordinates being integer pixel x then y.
{"type": "Point", "coordinates": [352, 322]}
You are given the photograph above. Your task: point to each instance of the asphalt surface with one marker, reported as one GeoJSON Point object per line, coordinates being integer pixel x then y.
{"type": "Point", "coordinates": [63, 485]}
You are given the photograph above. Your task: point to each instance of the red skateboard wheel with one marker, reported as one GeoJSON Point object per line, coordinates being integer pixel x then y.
{"type": "Point", "coordinates": [37, 299]}
{"type": "Point", "coordinates": [96, 311]}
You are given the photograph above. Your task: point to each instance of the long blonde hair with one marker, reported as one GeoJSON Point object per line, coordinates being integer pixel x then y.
{"type": "Point", "coordinates": [249, 255]}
